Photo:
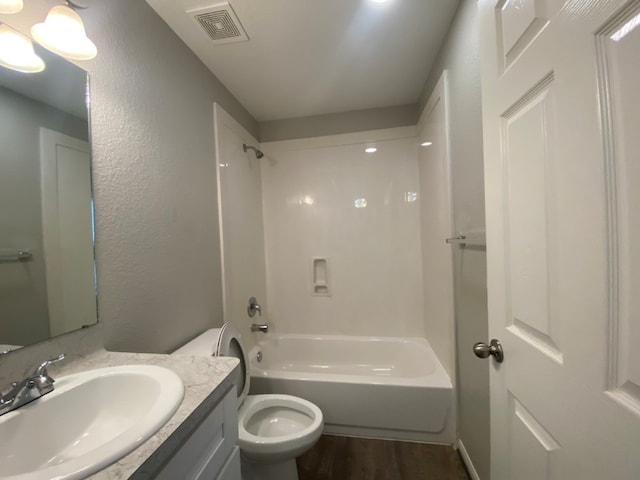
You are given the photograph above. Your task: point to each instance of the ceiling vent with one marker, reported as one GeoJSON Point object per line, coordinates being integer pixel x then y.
{"type": "Point", "coordinates": [220, 23]}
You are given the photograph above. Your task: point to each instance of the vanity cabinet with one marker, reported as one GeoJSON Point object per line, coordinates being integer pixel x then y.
{"type": "Point", "coordinates": [210, 452]}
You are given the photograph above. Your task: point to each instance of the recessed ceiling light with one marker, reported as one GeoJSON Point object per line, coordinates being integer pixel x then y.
{"type": "Point", "coordinates": [379, 1]}
{"type": "Point", "coordinates": [426, 144]}
{"type": "Point", "coordinates": [371, 150]}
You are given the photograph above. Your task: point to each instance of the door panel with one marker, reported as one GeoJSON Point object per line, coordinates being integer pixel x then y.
{"type": "Point", "coordinates": [518, 22]}
{"type": "Point", "coordinates": [531, 445]}
{"type": "Point", "coordinates": [528, 133]}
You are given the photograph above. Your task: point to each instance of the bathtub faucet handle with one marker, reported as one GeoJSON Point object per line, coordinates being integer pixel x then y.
{"type": "Point", "coordinates": [252, 307]}
{"type": "Point", "coordinates": [259, 327]}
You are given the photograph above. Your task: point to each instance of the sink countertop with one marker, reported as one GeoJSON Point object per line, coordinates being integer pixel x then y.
{"type": "Point", "coordinates": [204, 379]}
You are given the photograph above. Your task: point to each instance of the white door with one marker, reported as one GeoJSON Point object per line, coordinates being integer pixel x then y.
{"type": "Point", "coordinates": [561, 112]}
{"type": "Point", "coordinates": [67, 229]}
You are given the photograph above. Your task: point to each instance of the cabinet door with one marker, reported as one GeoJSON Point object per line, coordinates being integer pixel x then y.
{"type": "Point", "coordinates": [231, 469]}
{"type": "Point", "coordinates": [205, 452]}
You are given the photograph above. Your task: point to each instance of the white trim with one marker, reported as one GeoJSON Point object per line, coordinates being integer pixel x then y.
{"type": "Point", "coordinates": [220, 116]}
{"type": "Point", "coordinates": [218, 113]}
{"type": "Point", "coordinates": [467, 461]}
{"type": "Point", "coordinates": [440, 90]}
{"type": "Point", "coordinates": [440, 93]}
{"type": "Point", "coordinates": [341, 139]}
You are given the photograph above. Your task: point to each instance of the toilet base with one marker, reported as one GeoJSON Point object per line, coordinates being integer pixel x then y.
{"type": "Point", "coordinates": [286, 470]}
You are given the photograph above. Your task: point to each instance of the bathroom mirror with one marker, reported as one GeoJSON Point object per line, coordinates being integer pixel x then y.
{"type": "Point", "coordinates": [47, 269]}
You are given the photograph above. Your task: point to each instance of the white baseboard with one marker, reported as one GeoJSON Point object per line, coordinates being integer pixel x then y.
{"type": "Point", "coordinates": [467, 461]}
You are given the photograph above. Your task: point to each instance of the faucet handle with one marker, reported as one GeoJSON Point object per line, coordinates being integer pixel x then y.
{"type": "Point", "coordinates": [252, 307]}
{"type": "Point", "coordinates": [41, 371]}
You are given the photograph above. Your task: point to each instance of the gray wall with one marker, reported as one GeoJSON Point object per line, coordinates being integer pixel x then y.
{"type": "Point", "coordinates": [23, 293]}
{"type": "Point", "coordinates": [336, 123]}
{"type": "Point", "coordinates": [158, 248]}
{"type": "Point", "coordinates": [460, 55]}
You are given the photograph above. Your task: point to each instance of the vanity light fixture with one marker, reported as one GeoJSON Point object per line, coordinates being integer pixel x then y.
{"type": "Point", "coordinates": [63, 33]}
{"type": "Point", "coordinates": [16, 52]}
{"type": "Point", "coordinates": [11, 6]}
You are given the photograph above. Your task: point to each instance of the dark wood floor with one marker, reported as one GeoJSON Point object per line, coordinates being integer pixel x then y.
{"type": "Point", "coordinates": [346, 458]}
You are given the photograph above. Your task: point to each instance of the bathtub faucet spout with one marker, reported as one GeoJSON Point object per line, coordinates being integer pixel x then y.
{"type": "Point", "coordinates": [259, 327]}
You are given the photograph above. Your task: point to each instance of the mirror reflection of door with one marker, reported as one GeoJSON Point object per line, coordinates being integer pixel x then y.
{"type": "Point", "coordinates": [38, 297]}
{"type": "Point", "coordinates": [67, 220]}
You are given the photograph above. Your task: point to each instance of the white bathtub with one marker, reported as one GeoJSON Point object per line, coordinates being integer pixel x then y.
{"type": "Point", "coordinates": [365, 386]}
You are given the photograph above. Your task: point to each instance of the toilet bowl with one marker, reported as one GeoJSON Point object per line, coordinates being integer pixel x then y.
{"type": "Point", "coordinates": [272, 429]}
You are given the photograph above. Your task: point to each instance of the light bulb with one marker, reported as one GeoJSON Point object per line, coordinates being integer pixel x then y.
{"type": "Point", "coordinates": [63, 33]}
{"type": "Point", "coordinates": [10, 6]}
{"type": "Point", "coordinates": [16, 52]}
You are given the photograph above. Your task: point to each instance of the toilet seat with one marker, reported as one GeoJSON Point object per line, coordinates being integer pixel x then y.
{"type": "Point", "coordinates": [229, 344]}
{"type": "Point", "coordinates": [299, 425]}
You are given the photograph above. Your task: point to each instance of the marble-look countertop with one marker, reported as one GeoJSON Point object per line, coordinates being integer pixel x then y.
{"type": "Point", "coordinates": [205, 379]}
{"type": "Point", "coordinates": [8, 348]}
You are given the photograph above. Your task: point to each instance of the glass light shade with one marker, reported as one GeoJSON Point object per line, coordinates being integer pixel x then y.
{"type": "Point", "coordinates": [63, 33]}
{"type": "Point", "coordinates": [10, 6]}
{"type": "Point", "coordinates": [16, 52]}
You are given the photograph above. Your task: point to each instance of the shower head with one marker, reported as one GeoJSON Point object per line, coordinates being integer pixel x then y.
{"type": "Point", "coordinates": [246, 147]}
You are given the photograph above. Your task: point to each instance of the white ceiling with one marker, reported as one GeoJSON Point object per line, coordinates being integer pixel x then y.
{"type": "Point", "coordinates": [310, 57]}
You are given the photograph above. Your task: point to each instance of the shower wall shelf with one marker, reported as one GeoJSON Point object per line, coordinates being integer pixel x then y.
{"type": "Point", "coordinates": [478, 239]}
{"type": "Point", "coordinates": [18, 256]}
{"type": "Point", "coordinates": [320, 277]}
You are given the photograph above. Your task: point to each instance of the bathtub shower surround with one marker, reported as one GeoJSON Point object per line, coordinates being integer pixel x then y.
{"type": "Point", "coordinates": [342, 234]}
{"type": "Point", "coordinates": [365, 386]}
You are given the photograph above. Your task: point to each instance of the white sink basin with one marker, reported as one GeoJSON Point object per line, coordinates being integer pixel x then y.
{"type": "Point", "coordinates": [89, 421]}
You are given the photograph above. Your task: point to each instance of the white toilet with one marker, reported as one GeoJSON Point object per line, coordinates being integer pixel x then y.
{"type": "Point", "coordinates": [273, 429]}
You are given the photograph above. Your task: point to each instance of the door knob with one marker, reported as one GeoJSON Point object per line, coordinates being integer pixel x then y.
{"type": "Point", "coordinates": [482, 350]}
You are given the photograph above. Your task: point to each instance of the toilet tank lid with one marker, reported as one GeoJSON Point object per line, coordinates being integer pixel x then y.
{"type": "Point", "coordinates": [204, 344]}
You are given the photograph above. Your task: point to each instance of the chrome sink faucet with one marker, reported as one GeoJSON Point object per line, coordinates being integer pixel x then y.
{"type": "Point", "coordinates": [29, 389]}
